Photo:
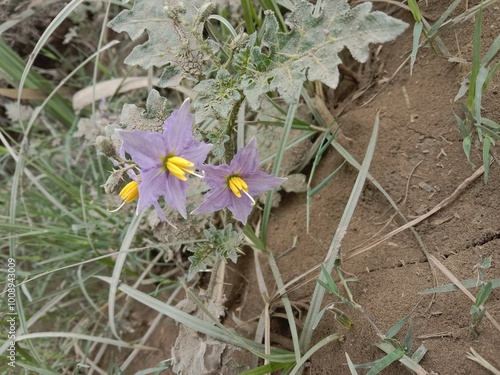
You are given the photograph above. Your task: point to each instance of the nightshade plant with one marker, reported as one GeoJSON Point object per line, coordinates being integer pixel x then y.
{"type": "Point", "coordinates": [165, 159]}
{"type": "Point", "coordinates": [234, 185]}
{"type": "Point", "coordinates": [230, 72]}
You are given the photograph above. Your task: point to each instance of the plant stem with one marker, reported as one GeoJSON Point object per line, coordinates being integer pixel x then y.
{"type": "Point", "coordinates": [231, 129]}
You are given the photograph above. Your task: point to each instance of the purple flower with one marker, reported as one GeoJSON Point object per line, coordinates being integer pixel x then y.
{"type": "Point", "coordinates": [165, 160]}
{"type": "Point", "coordinates": [234, 185]}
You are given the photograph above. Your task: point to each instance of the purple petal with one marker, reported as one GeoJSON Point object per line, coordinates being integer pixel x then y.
{"type": "Point", "coordinates": [259, 182]}
{"type": "Point", "coordinates": [175, 194]}
{"type": "Point", "coordinates": [151, 188]}
{"type": "Point", "coordinates": [147, 149]}
{"type": "Point", "coordinates": [240, 207]}
{"type": "Point", "coordinates": [216, 176]}
{"type": "Point", "coordinates": [177, 129]}
{"type": "Point", "coordinates": [246, 159]}
{"type": "Point", "coordinates": [195, 152]}
{"type": "Point", "coordinates": [214, 200]}
{"type": "Point", "coordinates": [159, 211]}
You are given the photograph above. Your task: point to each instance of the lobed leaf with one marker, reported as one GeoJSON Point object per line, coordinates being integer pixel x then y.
{"type": "Point", "coordinates": [310, 51]}
{"type": "Point", "coordinates": [175, 36]}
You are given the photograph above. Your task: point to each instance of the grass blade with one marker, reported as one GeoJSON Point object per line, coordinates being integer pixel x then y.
{"type": "Point", "coordinates": [11, 69]}
{"type": "Point", "coordinates": [404, 359]}
{"type": "Point", "coordinates": [386, 361]}
{"type": "Point", "coordinates": [61, 16]}
{"type": "Point", "coordinates": [248, 11]}
{"type": "Point", "coordinates": [117, 270]}
{"type": "Point", "coordinates": [469, 283]}
{"type": "Point", "coordinates": [486, 157]}
{"type": "Point", "coordinates": [277, 162]}
{"type": "Point", "coordinates": [313, 350]}
{"type": "Point", "coordinates": [417, 32]}
{"type": "Point", "coordinates": [334, 249]}
{"type": "Point", "coordinates": [352, 369]}
{"type": "Point", "coordinates": [266, 369]}
{"type": "Point", "coordinates": [202, 326]}
{"type": "Point", "coordinates": [434, 29]}
{"type": "Point", "coordinates": [476, 60]}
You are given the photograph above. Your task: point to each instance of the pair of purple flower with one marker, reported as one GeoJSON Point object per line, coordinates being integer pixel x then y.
{"type": "Point", "coordinates": [166, 159]}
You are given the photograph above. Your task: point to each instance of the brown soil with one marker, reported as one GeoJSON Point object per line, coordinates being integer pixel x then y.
{"type": "Point", "coordinates": [418, 143]}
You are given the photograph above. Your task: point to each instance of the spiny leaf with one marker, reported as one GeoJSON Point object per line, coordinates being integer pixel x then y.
{"type": "Point", "coordinates": [310, 50]}
{"type": "Point", "coordinates": [216, 97]}
{"type": "Point", "coordinates": [175, 36]}
{"type": "Point", "coordinates": [151, 118]}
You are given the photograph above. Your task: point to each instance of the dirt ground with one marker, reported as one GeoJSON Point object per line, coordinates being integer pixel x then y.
{"type": "Point", "coordinates": [419, 161]}
{"type": "Point", "coordinates": [419, 142]}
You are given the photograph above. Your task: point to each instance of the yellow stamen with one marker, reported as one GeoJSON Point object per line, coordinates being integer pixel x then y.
{"type": "Point", "coordinates": [237, 184]}
{"type": "Point", "coordinates": [179, 167]}
{"type": "Point", "coordinates": [130, 192]}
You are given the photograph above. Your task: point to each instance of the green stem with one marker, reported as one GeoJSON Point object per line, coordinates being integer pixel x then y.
{"type": "Point", "coordinates": [231, 129]}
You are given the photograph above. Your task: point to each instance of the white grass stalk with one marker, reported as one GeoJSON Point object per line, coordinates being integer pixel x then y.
{"type": "Point", "coordinates": [334, 249]}
{"type": "Point", "coordinates": [474, 356]}
{"type": "Point", "coordinates": [117, 270]}
{"type": "Point", "coordinates": [78, 336]}
{"type": "Point", "coordinates": [60, 18]}
{"type": "Point", "coordinates": [216, 331]}
{"type": "Point", "coordinates": [265, 218]}
{"type": "Point", "coordinates": [149, 332]}
{"type": "Point", "coordinates": [311, 351]}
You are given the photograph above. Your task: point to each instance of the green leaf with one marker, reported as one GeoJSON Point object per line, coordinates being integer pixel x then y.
{"type": "Point", "coordinates": [217, 332]}
{"type": "Point", "coordinates": [175, 36]}
{"type": "Point", "coordinates": [415, 11]}
{"type": "Point", "coordinates": [434, 29]}
{"type": "Point", "coordinates": [469, 283]}
{"type": "Point", "coordinates": [386, 361]}
{"type": "Point", "coordinates": [330, 285]}
{"type": "Point", "coordinates": [484, 293]}
{"type": "Point", "coordinates": [486, 157]}
{"type": "Point", "coordinates": [267, 369]}
{"type": "Point", "coordinates": [419, 353]}
{"type": "Point", "coordinates": [310, 50]}
{"type": "Point", "coordinates": [216, 97]}
{"type": "Point", "coordinates": [476, 60]}
{"type": "Point", "coordinates": [221, 243]}
{"type": "Point", "coordinates": [467, 144]}
{"type": "Point", "coordinates": [151, 118]}
{"type": "Point", "coordinates": [417, 32]}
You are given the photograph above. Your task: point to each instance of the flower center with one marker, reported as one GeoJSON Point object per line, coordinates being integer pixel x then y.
{"type": "Point", "coordinates": [130, 192]}
{"type": "Point", "coordinates": [179, 167]}
{"type": "Point", "coordinates": [237, 184]}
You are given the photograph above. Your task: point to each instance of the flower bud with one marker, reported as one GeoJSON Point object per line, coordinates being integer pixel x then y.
{"type": "Point", "coordinates": [105, 146]}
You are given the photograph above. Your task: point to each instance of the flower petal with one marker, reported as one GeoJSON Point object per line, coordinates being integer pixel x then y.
{"type": "Point", "coordinates": [177, 129]}
{"type": "Point", "coordinates": [175, 194]}
{"type": "Point", "coordinates": [159, 211]}
{"type": "Point", "coordinates": [214, 200]}
{"type": "Point", "coordinates": [215, 176]}
{"type": "Point", "coordinates": [196, 152]}
{"type": "Point", "coordinates": [259, 182]}
{"type": "Point", "coordinates": [151, 188]}
{"type": "Point", "coordinates": [240, 207]}
{"type": "Point", "coordinates": [146, 148]}
{"type": "Point", "coordinates": [246, 159]}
